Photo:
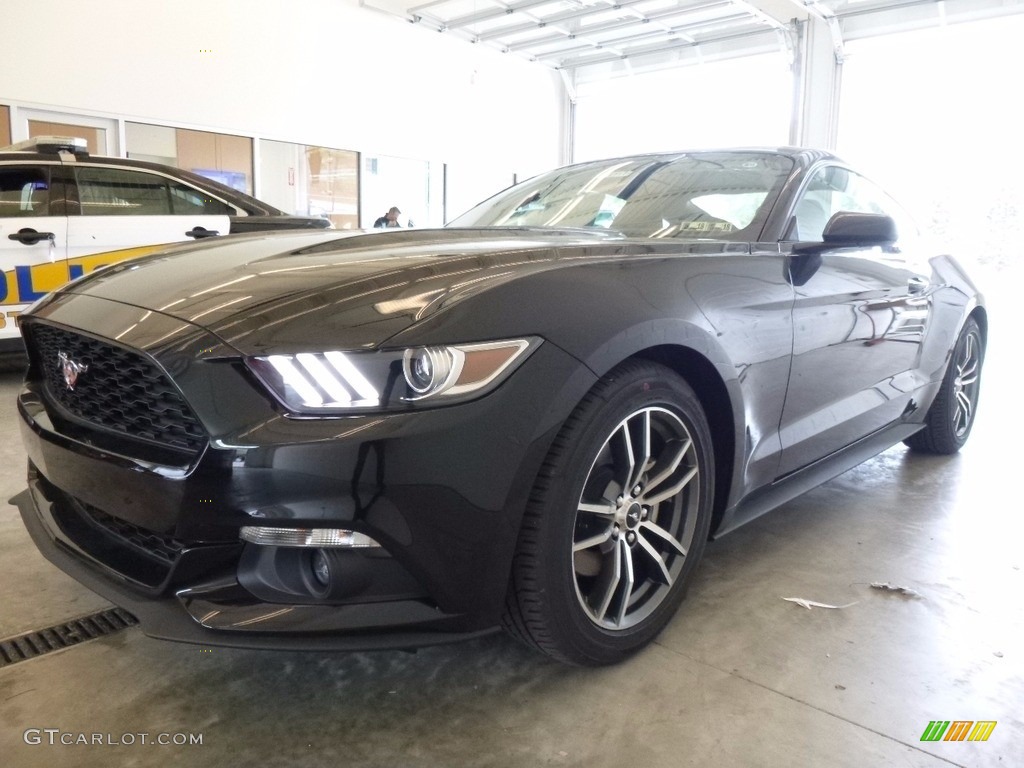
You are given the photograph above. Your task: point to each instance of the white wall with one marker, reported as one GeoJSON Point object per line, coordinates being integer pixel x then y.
{"type": "Point", "coordinates": [934, 116]}
{"type": "Point", "coordinates": [324, 72]}
{"type": "Point", "coordinates": [735, 102]}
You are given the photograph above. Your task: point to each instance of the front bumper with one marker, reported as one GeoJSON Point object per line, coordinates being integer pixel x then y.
{"type": "Point", "coordinates": [442, 490]}
{"type": "Point", "coordinates": [218, 612]}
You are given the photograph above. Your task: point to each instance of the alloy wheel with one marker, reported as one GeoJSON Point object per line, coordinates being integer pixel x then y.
{"type": "Point", "coordinates": [636, 518]}
{"type": "Point", "coordinates": [965, 385]}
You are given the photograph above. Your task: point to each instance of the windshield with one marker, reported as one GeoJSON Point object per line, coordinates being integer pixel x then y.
{"type": "Point", "coordinates": [707, 195]}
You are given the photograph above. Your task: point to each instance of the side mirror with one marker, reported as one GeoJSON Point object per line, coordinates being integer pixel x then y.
{"type": "Point", "coordinates": [853, 230]}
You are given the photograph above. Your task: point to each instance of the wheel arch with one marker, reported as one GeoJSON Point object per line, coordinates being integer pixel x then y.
{"type": "Point", "coordinates": [703, 377]}
{"type": "Point", "coordinates": [980, 315]}
{"type": "Point", "coordinates": [692, 353]}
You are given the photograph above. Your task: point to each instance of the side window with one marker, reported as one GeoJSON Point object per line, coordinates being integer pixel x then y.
{"type": "Point", "coordinates": [185, 199]}
{"type": "Point", "coordinates": [863, 196]}
{"type": "Point", "coordinates": [120, 192]}
{"type": "Point", "coordinates": [814, 209]}
{"type": "Point", "coordinates": [24, 192]}
{"type": "Point", "coordinates": [834, 189]}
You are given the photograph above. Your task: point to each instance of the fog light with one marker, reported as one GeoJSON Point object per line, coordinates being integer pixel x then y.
{"type": "Point", "coordinates": [321, 568]}
{"type": "Point", "coordinates": [306, 537]}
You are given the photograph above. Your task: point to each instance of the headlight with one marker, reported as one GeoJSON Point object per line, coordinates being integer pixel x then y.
{"type": "Point", "coordinates": [427, 369]}
{"type": "Point", "coordinates": [337, 383]}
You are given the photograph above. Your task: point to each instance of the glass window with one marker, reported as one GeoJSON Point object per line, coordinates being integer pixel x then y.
{"type": "Point", "coordinates": [122, 192]}
{"type": "Point", "coordinates": [311, 181]}
{"type": "Point", "coordinates": [117, 192]}
{"type": "Point", "coordinates": [712, 195]}
{"type": "Point", "coordinates": [399, 182]}
{"type": "Point", "coordinates": [24, 192]}
{"type": "Point", "coordinates": [218, 156]}
{"type": "Point", "coordinates": [833, 189]}
{"type": "Point", "coordinates": [95, 138]}
{"type": "Point", "coordinates": [332, 185]}
{"type": "Point", "coordinates": [188, 200]}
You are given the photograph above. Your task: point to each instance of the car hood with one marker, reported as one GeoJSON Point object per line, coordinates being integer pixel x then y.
{"type": "Point", "coordinates": [294, 290]}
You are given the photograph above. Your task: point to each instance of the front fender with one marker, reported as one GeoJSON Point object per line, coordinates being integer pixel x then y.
{"type": "Point", "coordinates": [723, 322]}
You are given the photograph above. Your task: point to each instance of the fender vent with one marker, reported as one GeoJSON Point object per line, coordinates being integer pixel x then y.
{"type": "Point", "coordinates": [32, 644]}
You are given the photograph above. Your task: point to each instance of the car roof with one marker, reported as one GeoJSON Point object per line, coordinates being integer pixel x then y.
{"type": "Point", "coordinates": [61, 156]}
{"type": "Point", "coordinates": [802, 156]}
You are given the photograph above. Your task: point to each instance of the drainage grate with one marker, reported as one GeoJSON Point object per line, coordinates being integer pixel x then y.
{"type": "Point", "coordinates": [32, 644]}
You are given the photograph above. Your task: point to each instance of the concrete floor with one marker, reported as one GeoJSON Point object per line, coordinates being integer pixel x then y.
{"type": "Point", "coordinates": [740, 678]}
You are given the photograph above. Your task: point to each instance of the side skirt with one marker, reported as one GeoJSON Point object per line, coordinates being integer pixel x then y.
{"type": "Point", "coordinates": [802, 480]}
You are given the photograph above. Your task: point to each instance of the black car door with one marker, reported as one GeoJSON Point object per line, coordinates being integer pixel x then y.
{"type": "Point", "coordinates": [859, 318]}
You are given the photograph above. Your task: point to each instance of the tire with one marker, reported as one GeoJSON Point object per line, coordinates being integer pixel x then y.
{"type": "Point", "coordinates": [595, 517]}
{"type": "Point", "coordinates": [951, 415]}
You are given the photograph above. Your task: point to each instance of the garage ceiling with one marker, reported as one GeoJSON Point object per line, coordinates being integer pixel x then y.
{"type": "Point", "coordinates": [566, 34]}
{"type": "Point", "coordinates": [571, 34]}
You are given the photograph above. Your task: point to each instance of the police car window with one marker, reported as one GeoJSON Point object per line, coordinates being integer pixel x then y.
{"type": "Point", "coordinates": [24, 192]}
{"type": "Point", "coordinates": [186, 199]}
{"type": "Point", "coordinates": [119, 192]}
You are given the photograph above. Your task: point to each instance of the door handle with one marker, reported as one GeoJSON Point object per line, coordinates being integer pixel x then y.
{"type": "Point", "coordinates": [29, 236]}
{"type": "Point", "coordinates": [200, 232]}
{"type": "Point", "coordinates": [917, 285]}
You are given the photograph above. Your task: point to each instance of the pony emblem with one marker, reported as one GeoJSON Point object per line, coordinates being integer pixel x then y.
{"type": "Point", "coordinates": [71, 370]}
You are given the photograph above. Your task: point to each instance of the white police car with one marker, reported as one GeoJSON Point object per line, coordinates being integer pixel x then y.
{"type": "Point", "coordinates": [62, 209]}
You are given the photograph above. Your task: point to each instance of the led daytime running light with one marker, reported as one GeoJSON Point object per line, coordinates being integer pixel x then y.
{"type": "Point", "coordinates": [325, 381]}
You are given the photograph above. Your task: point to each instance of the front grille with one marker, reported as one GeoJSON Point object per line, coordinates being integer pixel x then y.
{"type": "Point", "coordinates": [120, 390]}
{"type": "Point", "coordinates": [162, 547]}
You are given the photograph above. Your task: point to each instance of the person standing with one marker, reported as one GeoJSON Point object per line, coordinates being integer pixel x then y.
{"type": "Point", "coordinates": [389, 219]}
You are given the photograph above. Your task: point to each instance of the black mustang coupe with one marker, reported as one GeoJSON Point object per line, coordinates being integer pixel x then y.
{"type": "Point", "coordinates": [534, 418]}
